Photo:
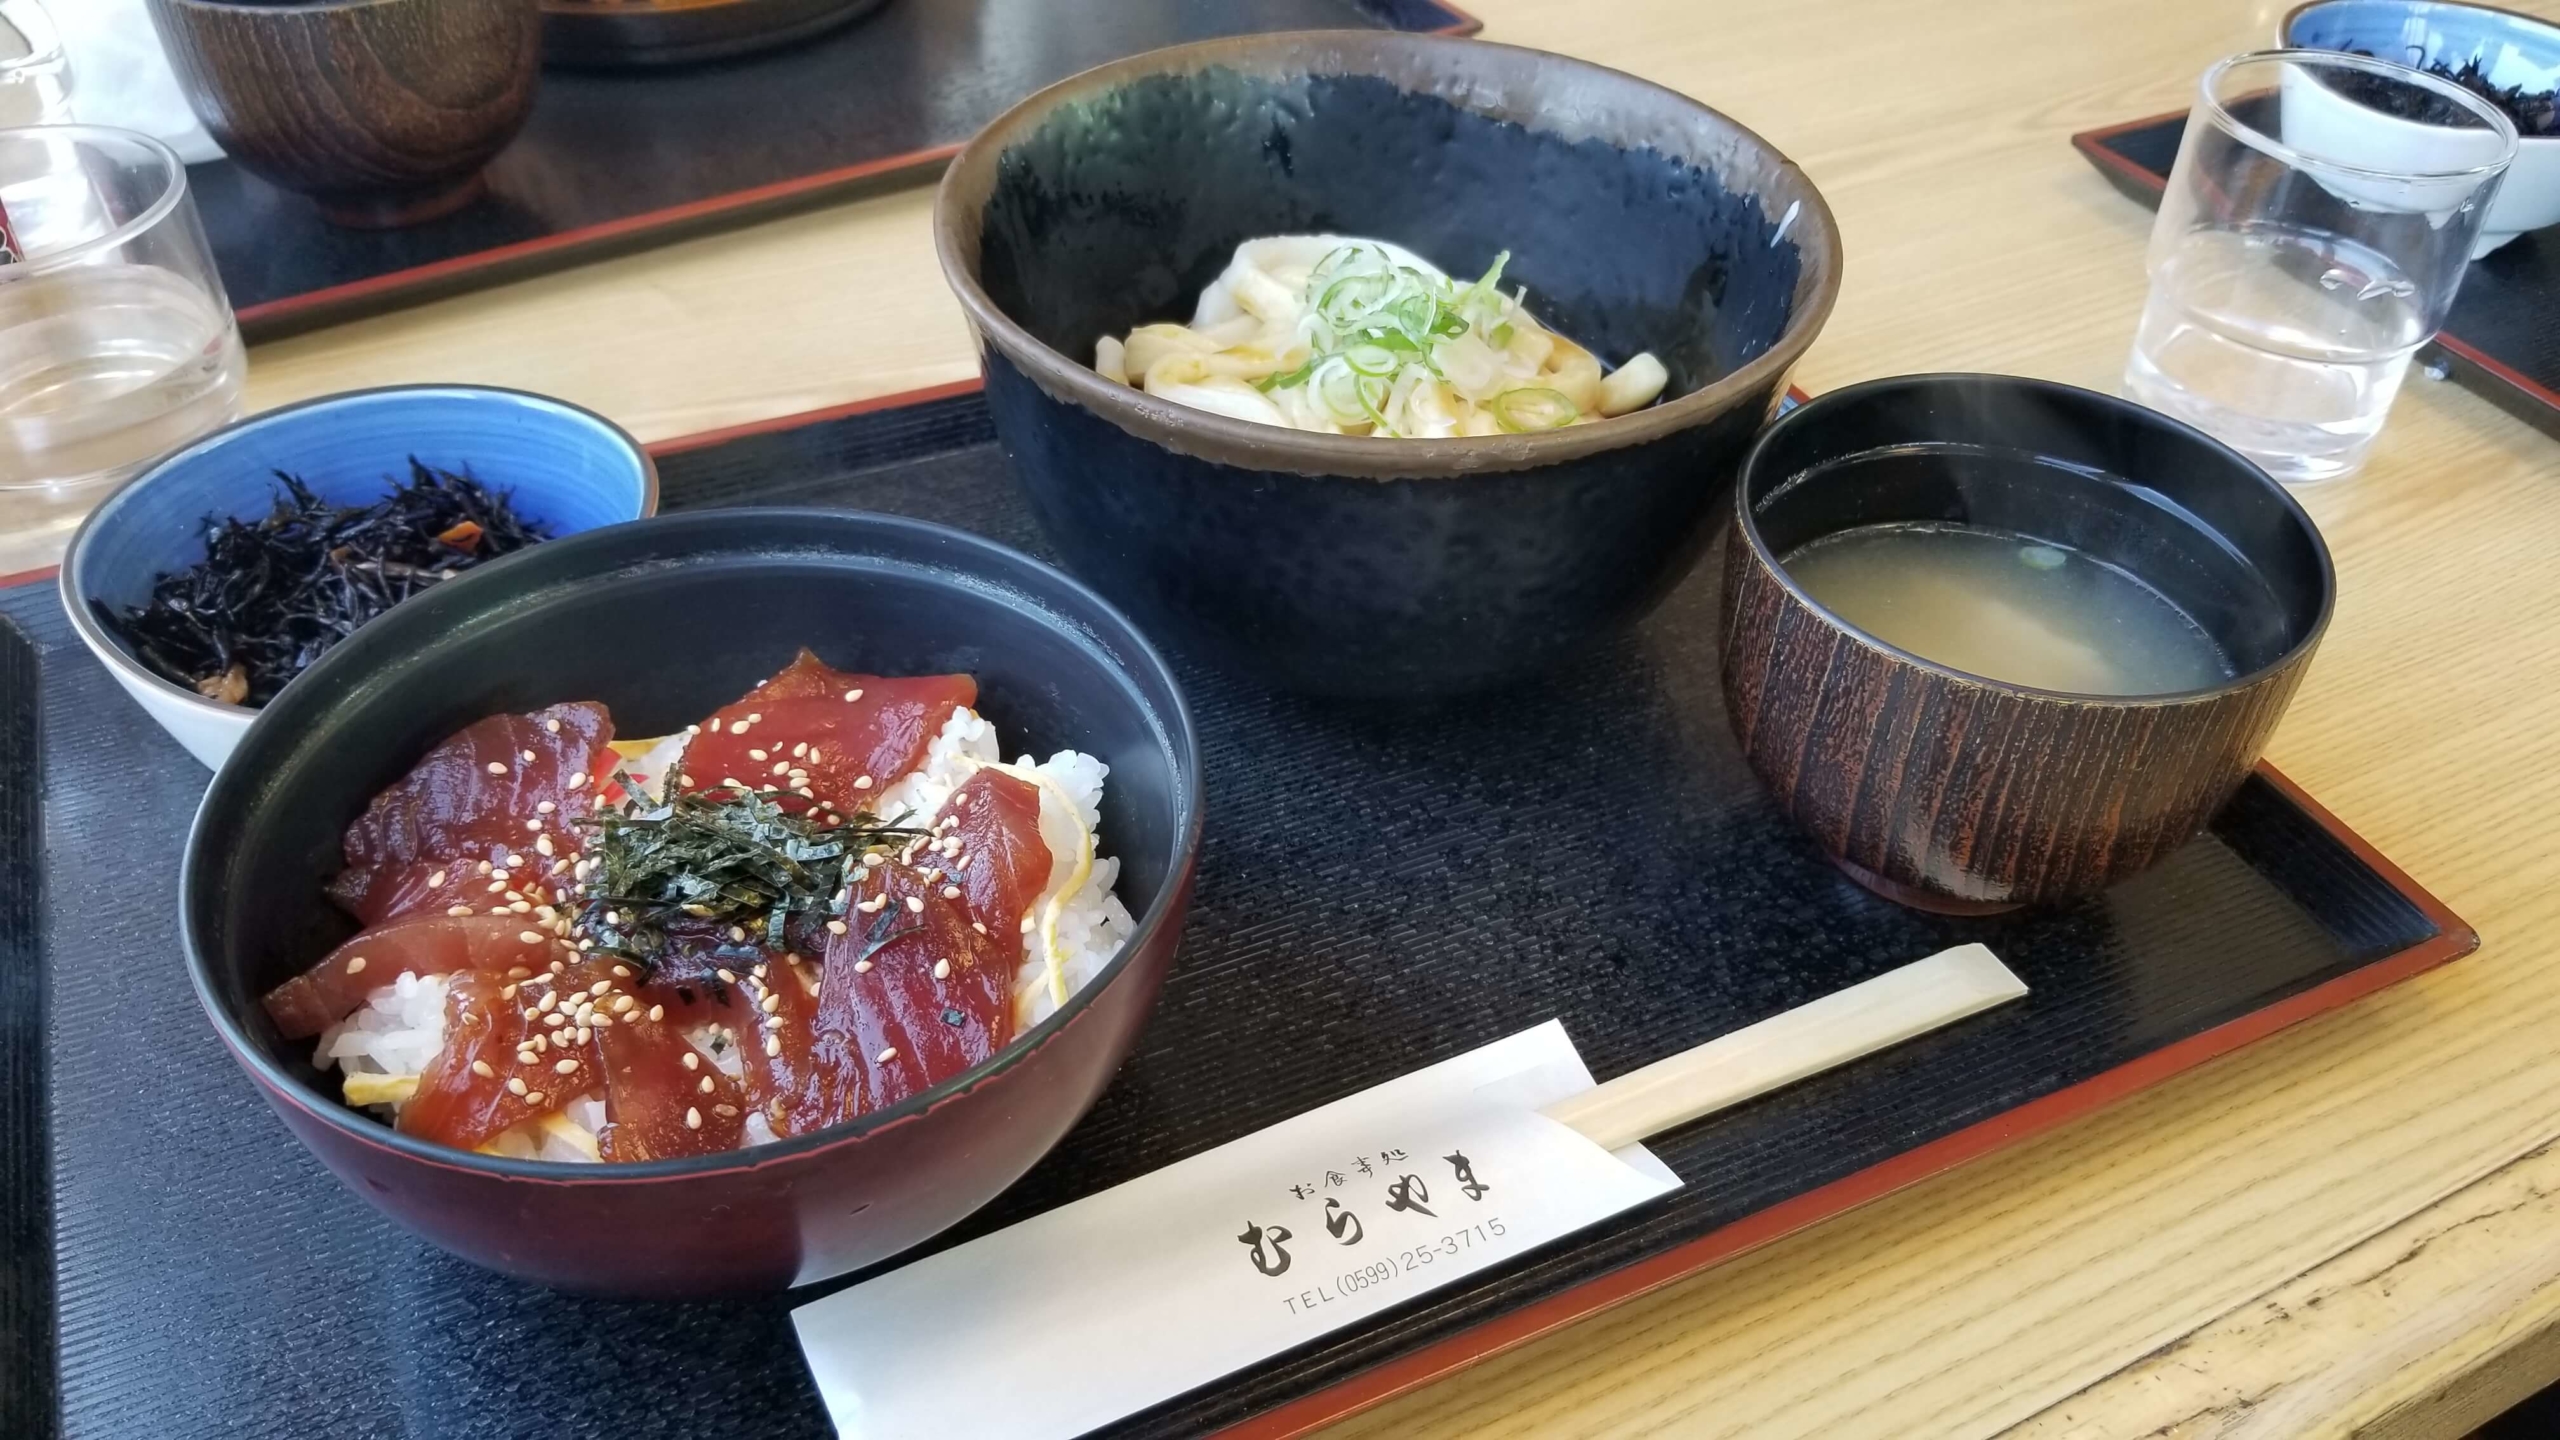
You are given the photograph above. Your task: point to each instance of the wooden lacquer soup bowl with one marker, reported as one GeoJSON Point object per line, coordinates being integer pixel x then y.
{"type": "Point", "coordinates": [1953, 792]}
{"type": "Point", "coordinates": [666, 620]}
{"type": "Point", "coordinates": [1638, 219]}
{"type": "Point", "coordinates": [383, 111]}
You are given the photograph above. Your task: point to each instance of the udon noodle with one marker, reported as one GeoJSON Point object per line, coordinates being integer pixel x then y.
{"type": "Point", "coordinates": [1363, 337]}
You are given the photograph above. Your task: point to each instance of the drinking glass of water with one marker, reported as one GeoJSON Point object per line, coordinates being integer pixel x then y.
{"type": "Point", "coordinates": [2316, 226]}
{"type": "Point", "coordinates": [116, 341]}
{"type": "Point", "coordinates": [35, 75]}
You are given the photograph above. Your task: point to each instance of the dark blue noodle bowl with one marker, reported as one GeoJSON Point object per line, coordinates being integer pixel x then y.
{"type": "Point", "coordinates": [1637, 218]}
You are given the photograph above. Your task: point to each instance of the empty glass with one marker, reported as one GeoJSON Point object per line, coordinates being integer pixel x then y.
{"type": "Point", "coordinates": [35, 76]}
{"type": "Point", "coordinates": [2316, 226]}
{"type": "Point", "coordinates": [116, 342]}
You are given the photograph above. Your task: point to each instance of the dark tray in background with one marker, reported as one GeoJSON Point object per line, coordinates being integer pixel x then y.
{"type": "Point", "coordinates": [2503, 337]}
{"type": "Point", "coordinates": [1378, 889]}
{"type": "Point", "coordinates": [616, 161]}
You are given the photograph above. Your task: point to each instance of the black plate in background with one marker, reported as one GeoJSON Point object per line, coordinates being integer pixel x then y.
{"type": "Point", "coordinates": [1379, 889]}
{"type": "Point", "coordinates": [612, 162]}
{"type": "Point", "coordinates": [2503, 337]}
{"type": "Point", "coordinates": [613, 34]}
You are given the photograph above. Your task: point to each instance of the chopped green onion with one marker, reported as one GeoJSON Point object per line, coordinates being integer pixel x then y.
{"type": "Point", "coordinates": [1533, 408]}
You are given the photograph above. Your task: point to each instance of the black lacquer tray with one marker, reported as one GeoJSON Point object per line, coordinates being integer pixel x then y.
{"type": "Point", "coordinates": [2503, 337]}
{"type": "Point", "coordinates": [1379, 889]}
{"type": "Point", "coordinates": [612, 162]}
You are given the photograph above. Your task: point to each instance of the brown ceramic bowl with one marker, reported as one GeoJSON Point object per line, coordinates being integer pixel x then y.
{"type": "Point", "coordinates": [1956, 793]}
{"type": "Point", "coordinates": [1638, 218]}
{"type": "Point", "coordinates": [383, 111]}
{"type": "Point", "coordinates": [665, 620]}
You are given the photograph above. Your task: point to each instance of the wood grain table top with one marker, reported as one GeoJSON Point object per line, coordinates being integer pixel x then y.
{"type": "Point", "coordinates": [2348, 1228]}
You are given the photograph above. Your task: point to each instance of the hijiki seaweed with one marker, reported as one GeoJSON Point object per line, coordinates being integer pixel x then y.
{"type": "Point", "coordinates": [2535, 113]}
{"type": "Point", "coordinates": [273, 594]}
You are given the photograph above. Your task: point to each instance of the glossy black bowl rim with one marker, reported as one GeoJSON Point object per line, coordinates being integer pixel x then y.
{"type": "Point", "coordinates": [70, 580]}
{"type": "Point", "coordinates": [1813, 411]}
{"type": "Point", "coordinates": [960, 200]}
{"type": "Point", "coordinates": [232, 780]}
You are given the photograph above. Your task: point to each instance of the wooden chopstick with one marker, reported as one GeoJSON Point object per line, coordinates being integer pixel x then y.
{"type": "Point", "coordinates": [1813, 1037]}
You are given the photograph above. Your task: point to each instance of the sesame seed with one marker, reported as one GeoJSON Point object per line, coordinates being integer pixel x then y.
{"type": "Point", "coordinates": [551, 725]}
{"type": "Point", "coordinates": [692, 1061]}
{"type": "Point", "coordinates": [436, 881]}
{"type": "Point", "coordinates": [355, 965]}
{"type": "Point", "coordinates": [873, 858]}
{"type": "Point", "coordinates": [755, 717]}
{"type": "Point", "coordinates": [978, 925]}
{"type": "Point", "coordinates": [533, 824]}
{"type": "Point", "coordinates": [585, 1034]}
{"type": "Point", "coordinates": [773, 1044]}
{"type": "Point", "coordinates": [533, 1097]}
{"type": "Point", "coordinates": [737, 933]}
{"type": "Point", "coordinates": [520, 907]}
{"type": "Point", "coordinates": [599, 987]}
{"type": "Point", "coordinates": [888, 1054]}
{"type": "Point", "coordinates": [497, 767]}
{"type": "Point", "coordinates": [915, 904]}
{"type": "Point", "coordinates": [941, 969]}
{"type": "Point", "coordinates": [772, 1003]}
{"type": "Point", "coordinates": [578, 780]}
{"type": "Point", "coordinates": [781, 765]}
{"type": "Point", "coordinates": [527, 1057]}
{"type": "Point", "coordinates": [1026, 924]}
{"type": "Point", "coordinates": [511, 861]}
{"type": "Point", "coordinates": [543, 844]}
{"type": "Point", "coordinates": [757, 755]}
{"type": "Point", "coordinates": [852, 695]}
{"type": "Point", "coordinates": [555, 1018]}
{"type": "Point", "coordinates": [692, 1119]}
{"type": "Point", "coordinates": [724, 1110]}
{"type": "Point", "coordinates": [517, 972]}
{"type": "Point", "coordinates": [485, 867]}
{"type": "Point", "coordinates": [861, 967]}
{"type": "Point", "coordinates": [706, 1085]}
{"type": "Point", "coordinates": [950, 892]}
{"type": "Point", "coordinates": [457, 910]}
{"type": "Point", "coordinates": [515, 1085]}
{"type": "Point", "coordinates": [507, 994]}
{"type": "Point", "coordinates": [657, 1012]}
{"type": "Point", "coordinates": [497, 885]}
{"type": "Point", "coordinates": [835, 927]}
{"type": "Point", "coordinates": [481, 1069]}
{"type": "Point", "coordinates": [564, 1067]}
{"type": "Point", "coordinates": [862, 782]}
{"type": "Point", "coordinates": [624, 1004]}
{"type": "Point", "coordinates": [714, 726]}
{"type": "Point", "coordinates": [727, 977]}
{"type": "Point", "coordinates": [732, 782]}
{"type": "Point", "coordinates": [525, 755]}
{"type": "Point", "coordinates": [530, 937]}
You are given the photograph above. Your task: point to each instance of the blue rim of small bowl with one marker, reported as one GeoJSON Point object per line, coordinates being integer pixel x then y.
{"type": "Point", "coordinates": [1181, 734]}
{"type": "Point", "coordinates": [75, 605]}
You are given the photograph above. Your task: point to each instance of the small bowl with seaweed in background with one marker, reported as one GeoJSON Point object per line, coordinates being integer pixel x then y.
{"type": "Point", "coordinates": [229, 566]}
{"type": "Point", "coordinates": [2510, 60]}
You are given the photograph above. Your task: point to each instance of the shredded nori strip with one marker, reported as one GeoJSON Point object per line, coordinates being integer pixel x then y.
{"type": "Point", "coordinates": [720, 857]}
{"type": "Point", "coordinates": [273, 594]}
{"type": "Point", "coordinates": [2534, 113]}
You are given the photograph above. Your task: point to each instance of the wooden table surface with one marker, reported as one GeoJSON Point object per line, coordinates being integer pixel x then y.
{"type": "Point", "coordinates": [2353, 1227]}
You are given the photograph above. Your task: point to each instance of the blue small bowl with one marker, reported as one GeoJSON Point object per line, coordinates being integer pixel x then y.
{"type": "Point", "coordinates": [568, 469]}
{"type": "Point", "coordinates": [2511, 50]}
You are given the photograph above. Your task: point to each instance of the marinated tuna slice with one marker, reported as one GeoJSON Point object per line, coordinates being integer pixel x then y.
{"type": "Point", "coordinates": [919, 988]}
{"type": "Point", "coordinates": [832, 738]}
{"type": "Point", "coordinates": [420, 945]}
{"type": "Point", "coordinates": [502, 794]}
{"type": "Point", "coordinates": [661, 1098]}
{"type": "Point", "coordinates": [769, 1013]}
{"type": "Point", "coordinates": [506, 1059]}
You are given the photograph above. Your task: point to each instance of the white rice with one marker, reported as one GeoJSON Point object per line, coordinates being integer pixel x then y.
{"type": "Point", "coordinates": [400, 1027]}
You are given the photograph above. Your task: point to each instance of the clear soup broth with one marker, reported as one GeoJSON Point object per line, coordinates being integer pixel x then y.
{"type": "Point", "coordinates": [2009, 607]}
